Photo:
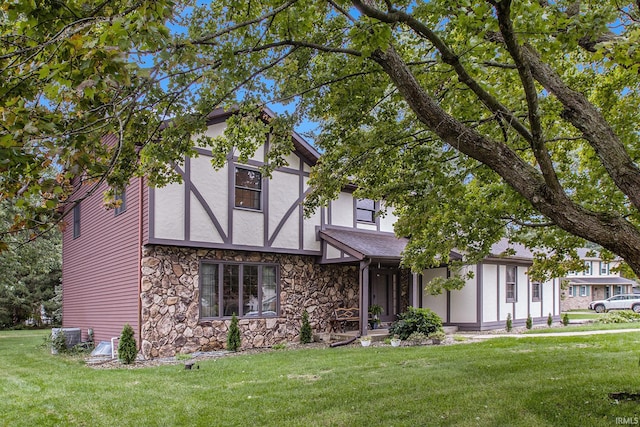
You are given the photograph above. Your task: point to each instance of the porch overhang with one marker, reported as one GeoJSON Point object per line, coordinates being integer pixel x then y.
{"type": "Point", "coordinates": [357, 245]}
{"type": "Point", "coordinates": [600, 281]}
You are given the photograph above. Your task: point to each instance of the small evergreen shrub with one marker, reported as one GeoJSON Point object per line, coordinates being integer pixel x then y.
{"type": "Point", "coordinates": [549, 320]}
{"type": "Point", "coordinates": [127, 350]}
{"type": "Point", "coordinates": [509, 323]}
{"type": "Point", "coordinates": [306, 335]}
{"type": "Point", "coordinates": [529, 323]}
{"type": "Point", "coordinates": [565, 319]}
{"type": "Point", "coordinates": [233, 338]}
{"type": "Point", "coordinates": [413, 320]}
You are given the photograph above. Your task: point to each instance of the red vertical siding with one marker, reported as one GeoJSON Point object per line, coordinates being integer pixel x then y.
{"type": "Point", "coordinates": [100, 268]}
{"type": "Point", "coordinates": [145, 212]}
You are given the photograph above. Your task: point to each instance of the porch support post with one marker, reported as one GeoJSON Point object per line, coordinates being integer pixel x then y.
{"type": "Point", "coordinates": [364, 296]}
{"type": "Point", "coordinates": [415, 296]}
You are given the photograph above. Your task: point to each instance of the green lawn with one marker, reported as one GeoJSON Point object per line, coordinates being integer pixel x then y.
{"type": "Point", "coordinates": [586, 327]}
{"type": "Point", "coordinates": [501, 382]}
{"type": "Point", "coordinates": [580, 315]}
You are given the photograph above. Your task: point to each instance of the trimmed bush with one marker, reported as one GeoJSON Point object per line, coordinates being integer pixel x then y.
{"type": "Point", "coordinates": [233, 338]}
{"type": "Point", "coordinates": [619, 316]}
{"type": "Point", "coordinates": [549, 320]}
{"type": "Point", "coordinates": [413, 320]}
{"type": "Point", "coordinates": [127, 350]}
{"type": "Point", "coordinates": [529, 323]}
{"type": "Point", "coordinates": [509, 322]}
{"type": "Point", "coordinates": [306, 335]}
{"type": "Point", "coordinates": [565, 319]}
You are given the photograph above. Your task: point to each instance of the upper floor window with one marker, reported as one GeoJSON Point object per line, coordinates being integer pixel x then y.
{"type": "Point", "coordinates": [121, 197]}
{"type": "Point", "coordinates": [588, 268]}
{"type": "Point", "coordinates": [604, 268]}
{"type": "Point", "coordinates": [76, 221]}
{"type": "Point", "coordinates": [510, 284]}
{"type": "Point", "coordinates": [248, 189]}
{"type": "Point", "coordinates": [535, 291]}
{"type": "Point", "coordinates": [247, 290]}
{"type": "Point", "coordinates": [365, 210]}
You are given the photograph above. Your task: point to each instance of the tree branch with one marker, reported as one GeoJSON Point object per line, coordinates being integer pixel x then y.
{"type": "Point", "coordinates": [449, 57]}
{"type": "Point", "coordinates": [584, 116]}
{"type": "Point", "coordinates": [503, 10]}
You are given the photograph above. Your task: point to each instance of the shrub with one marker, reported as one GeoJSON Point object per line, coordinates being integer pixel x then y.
{"type": "Point", "coordinates": [413, 320]}
{"type": "Point", "coordinates": [565, 319]}
{"type": "Point", "coordinates": [549, 320]}
{"type": "Point", "coordinates": [127, 350]}
{"type": "Point", "coordinates": [437, 336]}
{"type": "Point", "coordinates": [233, 338]}
{"type": "Point", "coordinates": [619, 316]}
{"type": "Point", "coordinates": [306, 335]}
{"type": "Point", "coordinates": [418, 337]}
{"type": "Point", "coordinates": [58, 343]}
{"type": "Point", "coordinates": [529, 323]}
{"type": "Point", "coordinates": [509, 323]}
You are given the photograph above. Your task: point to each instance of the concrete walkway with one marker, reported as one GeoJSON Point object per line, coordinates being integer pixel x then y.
{"type": "Point", "coordinates": [550, 334]}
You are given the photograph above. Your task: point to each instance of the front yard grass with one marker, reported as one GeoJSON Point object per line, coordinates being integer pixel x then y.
{"type": "Point", "coordinates": [585, 327]}
{"type": "Point", "coordinates": [551, 381]}
{"type": "Point", "coordinates": [584, 314]}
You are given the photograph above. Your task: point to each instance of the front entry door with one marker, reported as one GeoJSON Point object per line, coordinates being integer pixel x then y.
{"type": "Point", "coordinates": [381, 293]}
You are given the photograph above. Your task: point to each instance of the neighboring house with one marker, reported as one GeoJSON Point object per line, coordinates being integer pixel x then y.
{"type": "Point", "coordinates": [177, 262]}
{"type": "Point", "coordinates": [599, 280]}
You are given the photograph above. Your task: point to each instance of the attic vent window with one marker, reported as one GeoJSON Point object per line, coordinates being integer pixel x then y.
{"type": "Point", "coordinates": [248, 189]}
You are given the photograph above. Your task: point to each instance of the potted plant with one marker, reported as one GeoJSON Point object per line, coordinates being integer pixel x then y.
{"type": "Point", "coordinates": [437, 336]}
{"type": "Point", "coordinates": [395, 341]}
{"type": "Point", "coordinates": [365, 341]}
{"type": "Point", "coordinates": [375, 310]}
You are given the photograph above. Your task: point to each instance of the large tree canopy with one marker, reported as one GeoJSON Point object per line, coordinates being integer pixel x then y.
{"type": "Point", "coordinates": [473, 119]}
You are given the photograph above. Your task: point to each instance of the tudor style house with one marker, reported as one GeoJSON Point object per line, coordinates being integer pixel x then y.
{"type": "Point", "coordinates": [499, 287]}
{"type": "Point", "coordinates": [599, 280]}
{"type": "Point", "coordinates": [177, 262]}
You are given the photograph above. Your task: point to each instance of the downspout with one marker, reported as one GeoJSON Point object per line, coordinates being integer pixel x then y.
{"type": "Point", "coordinates": [140, 211]}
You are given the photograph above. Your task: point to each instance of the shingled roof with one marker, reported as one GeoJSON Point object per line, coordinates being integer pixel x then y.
{"type": "Point", "coordinates": [362, 244]}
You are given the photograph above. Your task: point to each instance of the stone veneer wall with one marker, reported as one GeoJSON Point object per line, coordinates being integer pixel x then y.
{"type": "Point", "coordinates": [170, 300]}
{"type": "Point", "coordinates": [573, 303]}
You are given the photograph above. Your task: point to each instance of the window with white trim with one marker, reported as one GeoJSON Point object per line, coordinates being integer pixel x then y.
{"type": "Point", "coordinates": [584, 291]}
{"type": "Point", "coordinates": [588, 271]}
{"type": "Point", "coordinates": [248, 187]}
{"type": "Point", "coordinates": [510, 284]}
{"type": "Point", "coordinates": [365, 210]}
{"type": "Point", "coordinates": [246, 290]}
{"type": "Point", "coordinates": [604, 268]}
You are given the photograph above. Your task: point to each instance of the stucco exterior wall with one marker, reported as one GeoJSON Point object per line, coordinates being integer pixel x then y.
{"type": "Point", "coordinates": [170, 299]}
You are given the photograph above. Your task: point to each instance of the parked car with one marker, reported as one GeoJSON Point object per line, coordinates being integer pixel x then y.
{"type": "Point", "coordinates": [617, 302]}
